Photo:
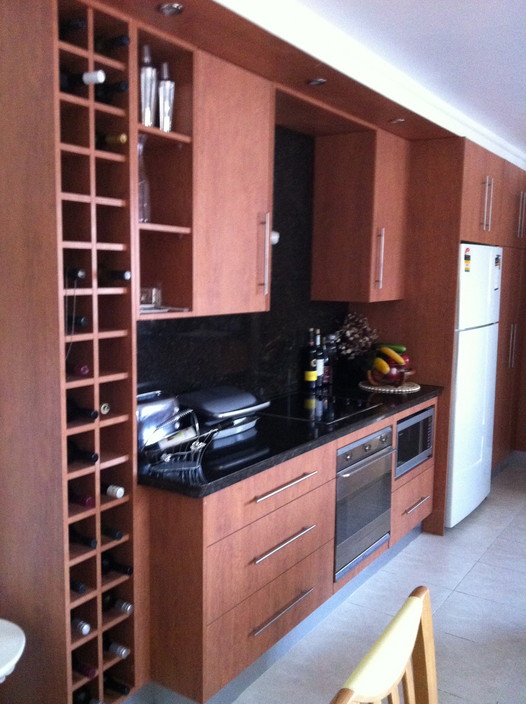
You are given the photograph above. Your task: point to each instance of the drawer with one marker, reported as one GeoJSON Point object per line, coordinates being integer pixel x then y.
{"type": "Point", "coordinates": [232, 508]}
{"type": "Point", "coordinates": [239, 637]}
{"type": "Point", "coordinates": [245, 561]}
{"type": "Point", "coordinates": [411, 504]}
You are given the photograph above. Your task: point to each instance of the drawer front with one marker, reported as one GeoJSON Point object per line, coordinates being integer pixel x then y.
{"type": "Point", "coordinates": [239, 637]}
{"type": "Point", "coordinates": [411, 504]}
{"type": "Point", "coordinates": [245, 561]}
{"type": "Point", "coordinates": [232, 508]}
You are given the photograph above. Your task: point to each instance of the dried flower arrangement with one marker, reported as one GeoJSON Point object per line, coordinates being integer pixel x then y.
{"type": "Point", "coordinates": [355, 338]}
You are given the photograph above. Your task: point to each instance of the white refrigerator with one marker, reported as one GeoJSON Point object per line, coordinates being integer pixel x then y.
{"type": "Point", "coordinates": [474, 372]}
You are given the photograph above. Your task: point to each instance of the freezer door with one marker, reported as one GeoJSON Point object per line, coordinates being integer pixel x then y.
{"type": "Point", "coordinates": [479, 285]}
{"type": "Point", "coordinates": [471, 434]}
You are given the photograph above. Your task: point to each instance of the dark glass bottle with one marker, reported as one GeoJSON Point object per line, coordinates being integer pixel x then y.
{"type": "Point", "coordinates": [76, 321]}
{"type": "Point", "coordinates": [110, 600]}
{"type": "Point", "coordinates": [309, 363]}
{"type": "Point", "coordinates": [72, 82]}
{"type": "Point", "coordinates": [80, 627]}
{"type": "Point", "coordinates": [105, 45]}
{"type": "Point", "coordinates": [114, 648]}
{"type": "Point", "coordinates": [113, 533]}
{"type": "Point", "coordinates": [319, 359]}
{"type": "Point", "coordinates": [78, 369]}
{"type": "Point", "coordinates": [84, 696]}
{"type": "Point", "coordinates": [115, 491]}
{"type": "Point", "coordinates": [81, 539]}
{"type": "Point", "coordinates": [81, 499]}
{"type": "Point", "coordinates": [109, 564]}
{"type": "Point", "coordinates": [71, 26]}
{"type": "Point", "coordinates": [84, 668]}
{"type": "Point", "coordinates": [112, 277]}
{"type": "Point", "coordinates": [104, 141]}
{"type": "Point", "coordinates": [105, 92]}
{"type": "Point", "coordinates": [74, 274]}
{"type": "Point", "coordinates": [74, 410]}
{"type": "Point", "coordinates": [329, 359]}
{"type": "Point", "coordinates": [78, 587]}
{"type": "Point", "coordinates": [76, 453]}
{"type": "Point", "coordinates": [113, 685]}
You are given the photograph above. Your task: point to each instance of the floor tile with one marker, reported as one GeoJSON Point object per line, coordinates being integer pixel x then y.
{"type": "Point", "coordinates": [507, 552]}
{"type": "Point", "coordinates": [497, 584]}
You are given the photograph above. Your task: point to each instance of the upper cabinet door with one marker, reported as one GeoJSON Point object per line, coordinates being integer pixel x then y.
{"type": "Point", "coordinates": [481, 196]}
{"type": "Point", "coordinates": [513, 207]}
{"type": "Point", "coordinates": [359, 217]}
{"type": "Point", "coordinates": [233, 159]}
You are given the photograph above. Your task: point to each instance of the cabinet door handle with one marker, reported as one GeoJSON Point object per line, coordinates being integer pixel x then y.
{"type": "Point", "coordinates": [266, 275]}
{"type": "Point", "coordinates": [264, 497]}
{"type": "Point", "coordinates": [283, 611]}
{"type": "Point", "coordinates": [288, 541]}
{"type": "Point", "coordinates": [418, 503]}
{"type": "Point", "coordinates": [490, 208]}
{"type": "Point", "coordinates": [484, 223]}
{"type": "Point", "coordinates": [522, 209]}
{"type": "Point", "coordinates": [381, 252]}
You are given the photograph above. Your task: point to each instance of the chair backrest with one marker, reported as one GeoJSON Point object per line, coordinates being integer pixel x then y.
{"type": "Point", "coordinates": [404, 655]}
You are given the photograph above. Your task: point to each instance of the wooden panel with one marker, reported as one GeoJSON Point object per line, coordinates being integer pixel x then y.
{"type": "Point", "coordinates": [509, 234]}
{"type": "Point", "coordinates": [250, 558]}
{"type": "Point", "coordinates": [232, 508]}
{"type": "Point", "coordinates": [411, 504]}
{"type": "Point", "coordinates": [233, 150]}
{"type": "Point", "coordinates": [231, 642]}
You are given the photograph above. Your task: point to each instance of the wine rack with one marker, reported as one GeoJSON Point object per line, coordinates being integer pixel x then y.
{"type": "Point", "coordinates": [96, 238]}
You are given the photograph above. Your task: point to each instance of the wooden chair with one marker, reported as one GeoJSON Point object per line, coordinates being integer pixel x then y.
{"type": "Point", "coordinates": [404, 654]}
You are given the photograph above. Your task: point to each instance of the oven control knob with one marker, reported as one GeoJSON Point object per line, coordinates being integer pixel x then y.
{"type": "Point", "coordinates": [383, 438]}
{"type": "Point", "coordinates": [366, 447]}
{"type": "Point", "coordinates": [348, 457]}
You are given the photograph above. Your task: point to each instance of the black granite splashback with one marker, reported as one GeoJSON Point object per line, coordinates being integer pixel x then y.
{"type": "Point", "coordinates": [260, 351]}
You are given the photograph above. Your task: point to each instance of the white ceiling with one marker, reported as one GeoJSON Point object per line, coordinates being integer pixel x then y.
{"type": "Point", "coordinates": [468, 56]}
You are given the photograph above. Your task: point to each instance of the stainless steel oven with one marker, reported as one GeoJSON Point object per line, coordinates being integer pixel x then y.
{"type": "Point", "coordinates": [363, 499]}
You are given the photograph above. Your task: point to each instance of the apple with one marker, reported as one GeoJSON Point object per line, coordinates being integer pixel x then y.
{"type": "Point", "coordinates": [407, 361]}
{"type": "Point", "coordinates": [395, 375]}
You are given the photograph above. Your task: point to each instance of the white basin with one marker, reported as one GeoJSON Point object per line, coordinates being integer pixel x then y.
{"type": "Point", "coordinates": [12, 643]}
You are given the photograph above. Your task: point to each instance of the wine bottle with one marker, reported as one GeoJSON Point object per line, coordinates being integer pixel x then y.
{"type": "Point", "coordinates": [111, 601]}
{"type": "Point", "coordinates": [330, 352]}
{"type": "Point", "coordinates": [77, 587]}
{"type": "Point", "coordinates": [105, 92]}
{"type": "Point", "coordinates": [74, 24]}
{"type": "Point", "coordinates": [76, 321]}
{"type": "Point", "coordinates": [78, 369]}
{"type": "Point", "coordinates": [105, 45]}
{"type": "Point", "coordinates": [81, 499]}
{"type": "Point", "coordinates": [309, 363]}
{"type": "Point", "coordinates": [112, 277]}
{"type": "Point", "coordinates": [74, 274]}
{"type": "Point", "coordinates": [84, 696]}
{"type": "Point", "coordinates": [111, 646]}
{"type": "Point", "coordinates": [84, 668]}
{"type": "Point", "coordinates": [113, 685]}
{"type": "Point", "coordinates": [73, 410]}
{"type": "Point", "coordinates": [77, 453]}
{"type": "Point", "coordinates": [113, 533]}
{"type": "Point", "coordinates": [114, 490]}
{"type": "Point", "coordinates": [319, 359]}
{"type": "Point", "coordinates": [108, 564]}
{"type": "Point", "coordinates": [80, 626]}
{"type": "Point", "coordinates": [105, 408]}
{"type": "Point", "coordinates": [103, 141]}
{"type": "Point", "coordinates": [81, 539]}
{"type": "Point", "coordinates": [70, 82]}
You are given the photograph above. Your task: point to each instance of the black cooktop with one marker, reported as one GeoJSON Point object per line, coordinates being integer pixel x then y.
{"type": "Point", "coordinates": [322, 409]}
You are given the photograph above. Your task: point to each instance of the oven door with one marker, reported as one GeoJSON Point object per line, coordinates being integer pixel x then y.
{"type": "Point", "coordinates": [363, 509]}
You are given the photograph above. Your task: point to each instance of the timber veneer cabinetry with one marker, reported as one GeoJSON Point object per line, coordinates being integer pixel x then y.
{"type": "Point", "coordinates": [237, 580]}
{"type": "Point", "coordinates": [359, 240]}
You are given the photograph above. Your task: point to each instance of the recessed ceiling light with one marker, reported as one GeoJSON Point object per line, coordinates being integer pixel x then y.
{"type": "Point", "coordinates": [316, 81]}
{"type": "Point", "coordinates": [397, 121]}
{"type": "Point", "coordinates": [170, 8]}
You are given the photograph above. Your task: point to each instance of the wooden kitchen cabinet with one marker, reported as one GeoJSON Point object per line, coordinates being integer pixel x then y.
{"type": "Point", "coordinates": [233, 158]}
{"type": "Point", "coordinates": [509, 352]}
{"type": "Point", "coordinates": [360, 190]}
{"type": "Point", "coordinates": [411, 503]}
{"type": "Point", "coordinates": [481, 218]}
{"type": "Point", "coordinates": [512, 208]}
{"type": "Point", "coordinates": [210, 596]}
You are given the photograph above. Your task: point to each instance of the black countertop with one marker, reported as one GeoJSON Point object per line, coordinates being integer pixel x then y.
{"type": "Point", "coordinates": [272, 441]}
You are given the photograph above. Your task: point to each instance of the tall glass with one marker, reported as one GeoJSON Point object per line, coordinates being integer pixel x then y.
{"type": "Point", "coordinates": [144, 184]}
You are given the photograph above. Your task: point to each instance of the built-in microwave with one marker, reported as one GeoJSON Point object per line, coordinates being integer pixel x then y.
{"type": "Point", "coordinates": [414, 442]}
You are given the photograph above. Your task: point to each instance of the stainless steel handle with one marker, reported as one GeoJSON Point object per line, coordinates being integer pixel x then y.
{"type": "Point", "coordinates": [264, 497]}
{"type": "Point", "coordinates": [281, 613]}
{"type": "Point", "coordinates": [490, 209]}
{"type": "Point", "coordinates": [418, 503]}
{"type": "Point", "coordinates": [381, 249]}
{"type": "Point", "coordinates": [266, 275]}
{"type": "Point", "coordinates": [485, 212]}
{"type": "Point", "coordinates": [288, 541]}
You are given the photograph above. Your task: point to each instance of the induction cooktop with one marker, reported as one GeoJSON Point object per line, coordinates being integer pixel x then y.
{"type": "Point", "coordinates": [323, 409]}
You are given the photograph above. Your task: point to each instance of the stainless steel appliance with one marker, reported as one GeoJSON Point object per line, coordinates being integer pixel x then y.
{"type": "Point", "coordinates": [414, 442]}
{"type": "Point", "coordinates": [363, 499]}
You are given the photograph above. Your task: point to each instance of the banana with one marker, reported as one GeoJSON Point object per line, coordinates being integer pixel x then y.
{"type": "Point", "coordinates": [381, 365]}
{"type": "Point", "coordinates": [389, 352]}
{"type": "Point", "coordinates": [397, 348]}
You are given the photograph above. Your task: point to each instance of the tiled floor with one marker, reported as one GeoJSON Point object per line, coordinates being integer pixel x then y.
{"type": "Point", "coordinates": [477, 578]}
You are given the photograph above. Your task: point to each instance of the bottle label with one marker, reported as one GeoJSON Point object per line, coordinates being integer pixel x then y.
{"type": "Point", "coordinates": [310, 376]}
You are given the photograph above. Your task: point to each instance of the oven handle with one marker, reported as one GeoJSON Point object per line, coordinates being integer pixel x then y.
{"type": "Point", "coordinates": [351, 469]}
